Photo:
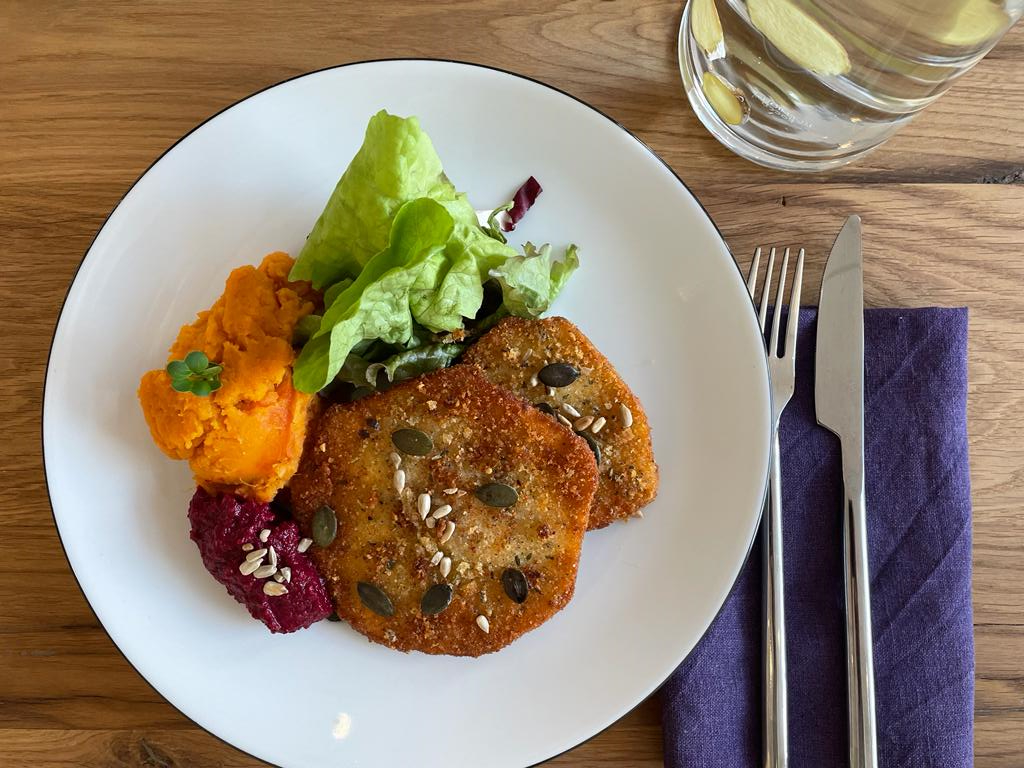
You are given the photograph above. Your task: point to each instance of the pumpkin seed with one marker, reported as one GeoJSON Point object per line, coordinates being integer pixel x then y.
{"type": "Point", "coordinates": [413, 442]}
{"type": "Point", "coordinates": [375, 599]}
{"type": "Point", "coordinates": [544, 408]}
{"type": "Point", "coordinates": [497, 495]}
{"type": "Point", "coordinates": [325, 526]}
{"type": "Point", "coordinates": [515, 584]}
{"type": "Point", "coordinates": [436, 599]}
{"type": "Point", "coordinates": [334, 617]}
{"type": "Point", "coordinates": [558, 374]}
{"type": "Point", "coordinates": [593, 446]}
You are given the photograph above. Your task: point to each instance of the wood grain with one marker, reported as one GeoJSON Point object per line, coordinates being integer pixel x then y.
{"type": "Point", "coordinates": [91, 93]}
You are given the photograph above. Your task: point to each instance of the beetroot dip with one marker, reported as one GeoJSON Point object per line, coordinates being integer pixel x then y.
{"type": "Point", "coordinates": [222, 524]}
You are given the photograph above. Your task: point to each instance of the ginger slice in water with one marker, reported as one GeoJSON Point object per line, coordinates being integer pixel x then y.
{"type": "Point", "coordinates": [975, 22]}
{"type": "Point", "coordinates": [722, 98]}
{"type": "Point", "coordinates": [707, 27]}
{"type": "Point", "coordinates": [799, 36]}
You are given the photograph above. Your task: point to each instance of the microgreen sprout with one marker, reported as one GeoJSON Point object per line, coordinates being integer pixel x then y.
{"type": "Point", "coordinates": [194, 374]}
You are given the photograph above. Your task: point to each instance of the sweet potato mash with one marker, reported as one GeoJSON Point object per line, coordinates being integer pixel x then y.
{"type": "Point", "coordinates": [246, 437]}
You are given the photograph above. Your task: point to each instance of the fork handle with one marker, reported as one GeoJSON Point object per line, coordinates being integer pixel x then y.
{"type": "Point", "coordinates": [774, 724]}
{"type": "Point", "coordinates": [859, 657]}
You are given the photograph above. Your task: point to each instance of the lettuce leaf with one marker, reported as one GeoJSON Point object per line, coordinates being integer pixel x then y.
{"type": "Point", "coordinates": [414, 362]}
{"type": "Point", "coordinates": [398, 251]}
{"type": "Point", "coordinates": [531, 281]}
{"type": "Point", "coordinates": [396, 163]}
{"type": "Point", "coordinates": [377, 304]}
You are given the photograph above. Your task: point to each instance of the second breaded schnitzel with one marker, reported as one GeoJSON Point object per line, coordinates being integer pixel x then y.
{"type": "Point", "coordinates": [584, 393]}
{"type": "Point", "coordinates": [459, 513]}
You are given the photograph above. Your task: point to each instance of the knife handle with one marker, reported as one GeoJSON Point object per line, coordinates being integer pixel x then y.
{"type": "Point", "coordinates": [860, 665]}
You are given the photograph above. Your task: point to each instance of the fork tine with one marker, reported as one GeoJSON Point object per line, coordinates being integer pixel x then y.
{"type": "Point", "coordinates": [752, 274]}
{"type": "Point", "coordinates": [780, 295]}
{"type": "Point", "coordinates": [794, 308]}
{"type": "Point", "coordinates": [762, 313]}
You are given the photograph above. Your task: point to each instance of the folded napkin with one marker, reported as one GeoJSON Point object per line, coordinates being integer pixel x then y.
{"type": "Point", "coordinates": [919, 522]}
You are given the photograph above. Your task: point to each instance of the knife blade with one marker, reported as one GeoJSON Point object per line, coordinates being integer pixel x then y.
{"type": "Point", "coordinates": [839, 404]}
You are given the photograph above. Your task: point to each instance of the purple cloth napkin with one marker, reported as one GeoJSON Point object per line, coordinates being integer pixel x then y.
{"type": "Point", "coordinates": [919, 521]}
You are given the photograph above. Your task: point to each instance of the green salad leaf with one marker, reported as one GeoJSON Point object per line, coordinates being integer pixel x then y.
{"type": "Point", "coordinates": [396, 163]}
{"type": "Point", "coordinates": [530, 282]}
{"type": "Point", "coordinates": [400, 254]}
{"type": "Point", "coordinates": [377, 304]}
{"type": "Point", "coordinates": [414, 362]}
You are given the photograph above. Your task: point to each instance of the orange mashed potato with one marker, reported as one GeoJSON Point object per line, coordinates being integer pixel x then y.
{"type": "Point", "coordinates": [246, 437]}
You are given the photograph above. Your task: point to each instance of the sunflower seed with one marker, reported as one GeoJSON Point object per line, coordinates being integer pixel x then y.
{"type": "Point", "coordinates": [256, 554]}
{"type": "Point", "coordinates": [497, 495]}
{"type": "Point", "coordinates": [248, 547]}
{"type": "Point", "coordinates": [593, 446]}
{"type": "Point", "coordinates": [582, 423]}
{"type": "Point", "coordinates": [279, 577]}
{"type": "Point", "coordinates": [375, 599]}
{"type": "Point", "coordinates": [273, 556]}
{"type": "Point", "coordinates": [303, 545]}
{"type": "Point", "coordinates": [325, 526]}
{"type": "Point", "coordinates": [399, 480]}
{"type": "Point", "coordinates": [446, 566]}
{"type": "Point", "coordinates": [413, 442]}
{"type": "Point", "coordinates": [558, 374]}
{"type": "Point", "coordinates": [564, 421]}
{"type": "Point", "coordinates": [515, 584]}
{"type": "Point", "coordinates": [450, 491]}
{"type": "Point", "coordinates": [286, 574]}
{"type": "Point", "coordinates": [264, 535]}
{"type": "Point", "coordinates": [437, 557]}
{"type": "Point", "coordinates": [449, 529]}
{"type": "Point", "coordinates": [598, 424]}
{"type": "Point", "coordinates": [395, 459]}
{"type": "Point", "coordinates": [484, 624]}
{"type": "Point", "coordinates": [248, 566]}
{"type": "Point", "coordinates": [436, 599]}
{"type": "Point", "coordinates": [423, 505]}
{"type": "Point", "coordinates": [569, 410]}
{"type": "Point", "coordinates": [442, 511]}
{"type": "Point", "coordinates": [625, 415]}
{"type": "Point", "coordinates": [274, 589]}
{"type": "Point", "coordinates": [264, 571]}
{"type": "Point", "coordinates": [431, 522]}
{"type": "Point", "coordinates": [550, 391]}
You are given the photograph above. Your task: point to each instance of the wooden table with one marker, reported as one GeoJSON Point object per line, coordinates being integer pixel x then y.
{"type": "Point", "coordinates": [91, 93]}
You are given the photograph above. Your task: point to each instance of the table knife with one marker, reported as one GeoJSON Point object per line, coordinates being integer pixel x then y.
{"type": "Point", "coordinates": [839, 403]}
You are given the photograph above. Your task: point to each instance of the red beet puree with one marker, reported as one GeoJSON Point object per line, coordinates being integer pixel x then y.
{"type": "Point", "coordinates": [222, 524]}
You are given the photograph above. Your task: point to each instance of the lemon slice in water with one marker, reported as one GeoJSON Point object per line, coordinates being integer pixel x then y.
{"type": "Point", "coordinates": [707, 27]}
{"type": "Point", "coordinates": [799, 36]}
{"type": "Point", "coordinates": [722, 98]}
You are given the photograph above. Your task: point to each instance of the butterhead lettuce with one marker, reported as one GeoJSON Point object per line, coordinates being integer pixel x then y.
{"type": "Point", "coordinates": [399, 254]}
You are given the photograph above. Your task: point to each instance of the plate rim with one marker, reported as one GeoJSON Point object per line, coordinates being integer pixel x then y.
{"type": "Point", "coordinates": [763, 358]}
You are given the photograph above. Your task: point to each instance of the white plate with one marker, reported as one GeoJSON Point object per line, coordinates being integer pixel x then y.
{"type": "Point", "coordinates": [658, 293]}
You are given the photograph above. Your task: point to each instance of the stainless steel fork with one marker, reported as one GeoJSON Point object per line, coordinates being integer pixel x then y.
{"type": "Point", "coordinates": [782, 371]}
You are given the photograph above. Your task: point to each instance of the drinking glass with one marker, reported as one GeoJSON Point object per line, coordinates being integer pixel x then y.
{"type": "Point", "coordinates": [808, 85]}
